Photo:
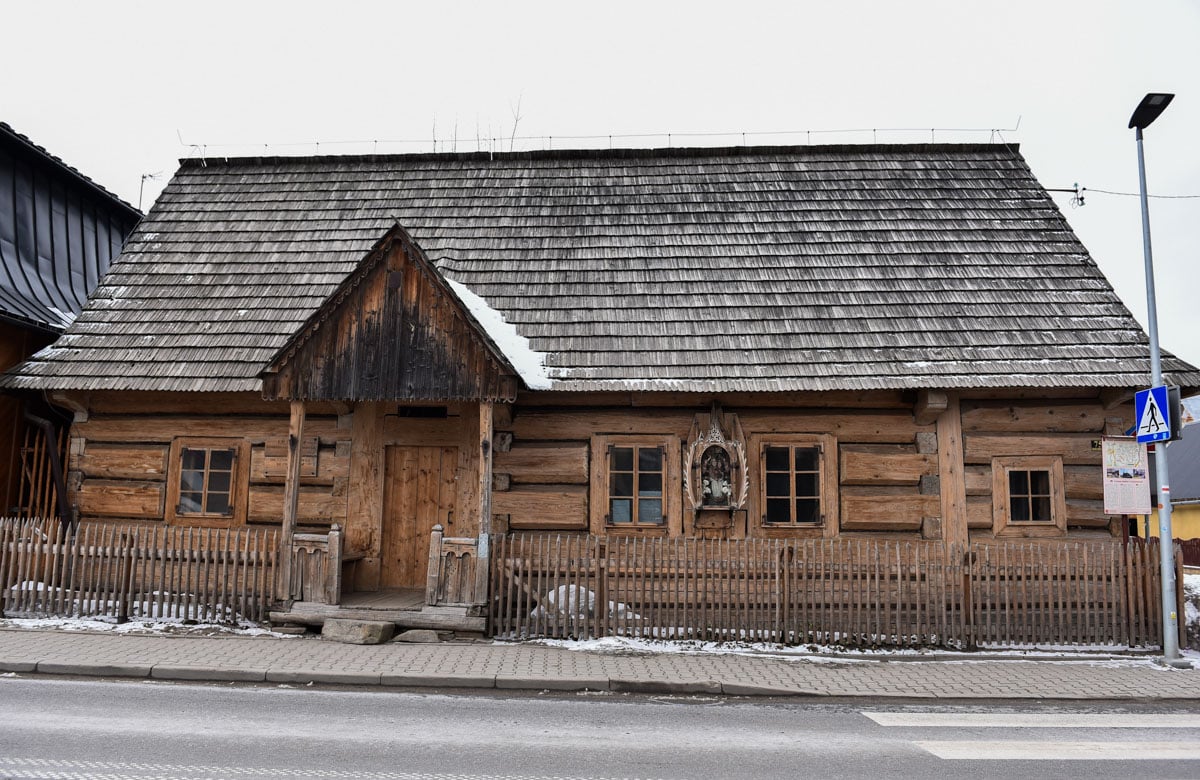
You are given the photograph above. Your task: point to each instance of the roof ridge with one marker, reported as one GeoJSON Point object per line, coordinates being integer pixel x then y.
{"type": "Point", "coordinates": [630, 153]}
{"type": "Point", "coordinates": [24, 140]}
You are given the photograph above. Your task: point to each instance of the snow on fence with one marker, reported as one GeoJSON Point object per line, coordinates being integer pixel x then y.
{"type": "Point", "coordinates": [146, 572]}
{"type": "Point", "coordinates": [855, 592]}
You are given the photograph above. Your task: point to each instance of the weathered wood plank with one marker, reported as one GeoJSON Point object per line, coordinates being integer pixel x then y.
{"type": "Point", "coordinates": [544, 508]}
{"type": "Point", "coordinates": [978, 480]}
{"type": "Point", "coordinates": [883, 464]}
{"type": "Point", "coordinates": [1075, 448]}
{"type": "Point", "coordinates": [114, 461]}
{"type": "Point", "coordinates": [565, 464]}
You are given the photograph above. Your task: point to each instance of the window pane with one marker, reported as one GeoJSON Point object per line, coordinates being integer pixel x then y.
{"type": "Point", "coordinates": [1040, 483]}
{"type": "Point", "coordinates": [218, 503]}
{"type": "Point", "coordinates": [221, 460]}
{"type": "Point", "coordinates": [190, 502]}
{"type": "Point", "coordinates": [807, 485]}
{"type": "Point", "coordinates": [808, 510]}
{"type": "Point", "coordinates": [191, 480]}
{"type": "Point", "coordinates": [806, 459]}
{"type": "Point", "coordinates": [778, 485]}
{"type": "Point", "coordinates": [218, 482]}
{"type": "Point", "coordinates": [622, 459]}
{"type": "Point", "coordinates": [1020, 509]}
{"type": "Point", "coordinates": [620, 510]}
{"type": "Point", "coordinates": [650, 511]}
{"type": "Point", "coordinates": [620, 485]}
{"type": "Point", "coordinates": [1041, 510]}
{"type": "Point", "coordinates": [194, 459]}
{"type": "Point", "coordinates": [779, 510]}
{"type": "Point", "coordinates": [777, 459]}
{"type": "Point", "coordinates": [650, 484]}
{"type": "Point", "coordinates": [649, 459]}
{"type": "Point", "coordinates": [1018, 483]}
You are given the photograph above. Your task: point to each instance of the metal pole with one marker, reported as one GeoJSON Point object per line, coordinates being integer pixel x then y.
{"type": "Point", "coordinates": [1166, 546]}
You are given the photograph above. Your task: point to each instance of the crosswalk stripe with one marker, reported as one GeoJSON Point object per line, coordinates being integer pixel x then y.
{"type": "Point", "coordinates": [1020, 750]}
{"type": "Point", "coordinates": [1034, 720]}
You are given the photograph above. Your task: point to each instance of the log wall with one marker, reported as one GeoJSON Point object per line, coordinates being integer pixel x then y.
{"type": "Point", "coordinates": [118, 469]}
{"type": "Point", "coordinates": [897, 475]}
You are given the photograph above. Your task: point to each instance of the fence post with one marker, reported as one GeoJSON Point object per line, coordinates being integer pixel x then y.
{"type": "Point", "coordinates": [333, 566]}
{"type": "Point", "coordinates": [968, 605]}
{"type": "Point", "coordinates": [125, 575]}
{"type": "Point", "coordinates": [433, 576]}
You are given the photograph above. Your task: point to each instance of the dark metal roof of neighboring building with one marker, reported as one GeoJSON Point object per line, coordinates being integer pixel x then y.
{"type": "Point", "coordinates": [706, 270]}
{"type": "Point", "coordinates": [59, 233]}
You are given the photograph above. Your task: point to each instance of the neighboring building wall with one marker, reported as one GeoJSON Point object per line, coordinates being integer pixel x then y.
{"type": "Point", "coordinates": [15, 345]}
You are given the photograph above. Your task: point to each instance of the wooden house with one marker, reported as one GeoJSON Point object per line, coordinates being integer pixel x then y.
{"type": "Point", "coordinates": [394, 358]}
{"type": "Point", "coordinates": [59, 232]}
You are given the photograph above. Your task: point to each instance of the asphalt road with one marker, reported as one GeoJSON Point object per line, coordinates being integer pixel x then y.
{"type": "Point", "coordinates": [150, 730]}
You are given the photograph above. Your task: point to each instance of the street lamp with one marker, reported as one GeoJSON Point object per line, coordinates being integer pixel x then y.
{"type": "Point", "coordinates": [1147, 111]}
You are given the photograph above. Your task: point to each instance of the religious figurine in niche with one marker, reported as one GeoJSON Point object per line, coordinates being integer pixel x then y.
{"type": "Point", "coordinates": [714, 471]}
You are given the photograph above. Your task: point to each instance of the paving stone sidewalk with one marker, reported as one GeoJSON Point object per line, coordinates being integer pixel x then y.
{"type": "Point", "coordinates": [538, 667]}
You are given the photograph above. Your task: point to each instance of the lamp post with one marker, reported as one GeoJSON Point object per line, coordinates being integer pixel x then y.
{"type": "Point", "coordinates": [1147, 111]}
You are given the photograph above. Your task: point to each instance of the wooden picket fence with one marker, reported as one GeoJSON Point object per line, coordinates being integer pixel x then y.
{"type": "Point", "coordinates": [48, 569]}
{"type": "Point", "coordinates": [854, 592]}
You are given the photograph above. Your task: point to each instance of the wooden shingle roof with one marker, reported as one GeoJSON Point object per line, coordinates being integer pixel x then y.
{"type": "Point", "coordinates": [741, 269]}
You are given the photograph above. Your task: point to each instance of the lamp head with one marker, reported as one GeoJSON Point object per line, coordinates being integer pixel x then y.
{"type": "Point", "coordinates": [1148, 110]}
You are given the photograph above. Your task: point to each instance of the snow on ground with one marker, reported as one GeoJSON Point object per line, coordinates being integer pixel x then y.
{"type": "Point", "coordinates": [529, 364]}
{"type": "Point", "coordinates": [813, 653]}
{"type": "Point", "coordinates": [156, 627]}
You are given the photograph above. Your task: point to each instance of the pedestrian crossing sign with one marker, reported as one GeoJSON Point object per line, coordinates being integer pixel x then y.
{"type": "Point", "coordinates": [1153, 419]}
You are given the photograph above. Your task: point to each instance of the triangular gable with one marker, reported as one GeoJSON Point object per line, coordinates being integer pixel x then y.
{"type": "Point", "coordinates": [393, 330]}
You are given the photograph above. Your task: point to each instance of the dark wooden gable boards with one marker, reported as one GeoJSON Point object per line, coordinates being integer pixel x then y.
{"type": "Point", "coordinates": [394, 330]}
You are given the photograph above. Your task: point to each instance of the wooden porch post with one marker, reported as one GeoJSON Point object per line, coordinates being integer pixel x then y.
{"type": "Point", "coordinates": [952, 473]}
{"type": "Point", "coordinates": [485, 502]}
{"type": "Point", "coordinates": [291, 495]}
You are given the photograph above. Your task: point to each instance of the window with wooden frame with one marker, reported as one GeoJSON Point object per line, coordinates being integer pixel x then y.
{"type": "Point", "coordinates": [207, 482]}
{"type": "Point", "coordinates": [634, 484]}
{"type": "Point", "coordinates": [1028, 496]}
{"type": "Point", "coordinates": [797, 482]}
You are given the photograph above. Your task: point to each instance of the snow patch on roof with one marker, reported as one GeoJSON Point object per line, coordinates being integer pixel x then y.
{"type": "Point", "coordinates": [65, 318]}
{"type": "Point", "coordinates": [530, 364]}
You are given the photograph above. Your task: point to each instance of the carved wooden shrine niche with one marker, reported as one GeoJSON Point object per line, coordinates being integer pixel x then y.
{"type": "Point", "coordinates": [715, 480]}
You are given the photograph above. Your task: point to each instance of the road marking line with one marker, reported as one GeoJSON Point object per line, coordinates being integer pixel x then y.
{"type": "Point", "coordinates": [1034, 720]}
{"type": "Point", "coordinates": [1016, 750]}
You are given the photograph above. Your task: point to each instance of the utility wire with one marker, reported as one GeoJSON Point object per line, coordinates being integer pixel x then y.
{"type": "Point", "coordinates": [1135, 194]}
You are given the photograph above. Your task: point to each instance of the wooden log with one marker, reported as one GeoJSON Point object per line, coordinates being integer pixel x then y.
{"type": "Point", "coordinates": [565, 464]}
{"type": "Point", "coordinates": [1000, 417]}
{"type": "Point", "coordinates": [979, 512]}
{"type": "Point", "coordinates": [1075, 448]}
{"type": "Point", "coordinates": [314, 504]}
{"type": "Point", "coordinates": [883, 509]}
{"type": "Point", "coordinates": [1084, 482]}
{"type": "Point", "coordinates": [883, 464]}
{"type": "Point", "coordinates": [930, 405]}
{"type": "Point", "coordinates": [291, 497]}
{"type": "Point", "coordinates": [1086, 513]}
{"type": "Point", "coordinates": [108, 498]}
{"type": "Point", "coordinates": [953, 505]}
{"type": "Point", "coordinates": [540, 507]}
{"type": "Point", "coordinates": [115, 461]}
{"type": "Point", "coordinates": [482, 551]}
{"type": "Point", "coordinates": [164, 428]}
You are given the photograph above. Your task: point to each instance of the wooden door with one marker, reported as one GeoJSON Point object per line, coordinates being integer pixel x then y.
{"type": "Point", "coordinates": [419, 493]}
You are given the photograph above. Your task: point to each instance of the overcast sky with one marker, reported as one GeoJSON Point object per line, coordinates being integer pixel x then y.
{"type": "Point", "coordinates": [112, 87]}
